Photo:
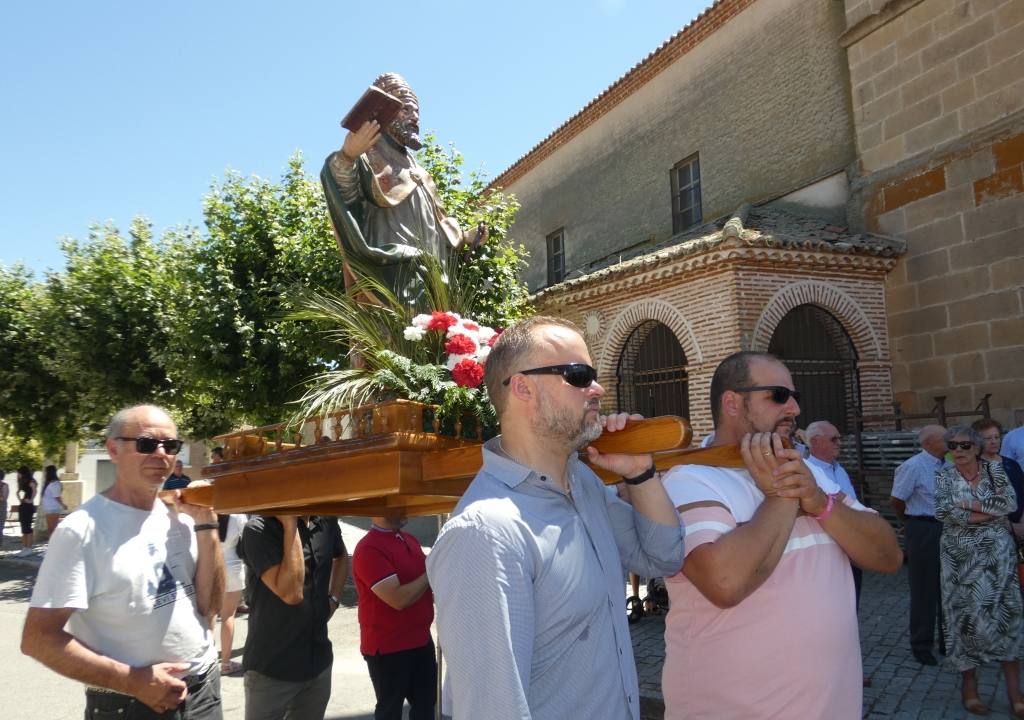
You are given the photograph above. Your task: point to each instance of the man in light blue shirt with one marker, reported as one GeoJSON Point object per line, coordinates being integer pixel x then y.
{"type": "Point", "coordinates": [913, 500]}
{"type": "Point", "coordinates": [1013, 445]}
{"type": "Point", "coordinates": [824, 444]}
{"type": "Point", "coordinates": [528, 572]}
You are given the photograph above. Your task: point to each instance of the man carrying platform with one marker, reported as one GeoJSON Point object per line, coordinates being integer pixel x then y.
{"type": "Point", "coordinates": [528, 572]}
{"type": "Point", "coordinates": [123, 598]}
{"type": "Point", "coordinates": [767, 572]}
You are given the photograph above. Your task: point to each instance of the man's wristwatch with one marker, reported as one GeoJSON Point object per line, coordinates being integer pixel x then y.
{"type": "Point", "coordinates": [642, 477]}
{"type": "Point", "coordinates": [334, 599]}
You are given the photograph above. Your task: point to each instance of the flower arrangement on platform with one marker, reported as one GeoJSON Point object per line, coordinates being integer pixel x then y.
{"type": "Point", "coordinates": [436, 357]}
{"type": "Point", "coordinates": [467, 343]}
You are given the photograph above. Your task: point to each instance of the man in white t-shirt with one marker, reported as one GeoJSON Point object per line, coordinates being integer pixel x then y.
{"type": "Point", "coordinates": [123, 596]}
{"type": "Point", "coordinates": [766, 578]}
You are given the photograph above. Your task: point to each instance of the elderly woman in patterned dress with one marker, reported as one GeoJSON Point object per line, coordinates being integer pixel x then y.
{"type": "Point", "coordinates": [981, 597]}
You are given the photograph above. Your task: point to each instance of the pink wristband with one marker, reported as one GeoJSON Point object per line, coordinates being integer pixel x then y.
{"type": "Point", "coordinates": [828, 507]}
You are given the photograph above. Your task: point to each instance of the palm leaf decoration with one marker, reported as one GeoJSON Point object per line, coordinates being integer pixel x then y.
{"type": "Point", "coordinates": [370, 320]}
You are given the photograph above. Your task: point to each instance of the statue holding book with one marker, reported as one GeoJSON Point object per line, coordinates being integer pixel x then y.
{"type": "Point", "coordinates": [384, 207]}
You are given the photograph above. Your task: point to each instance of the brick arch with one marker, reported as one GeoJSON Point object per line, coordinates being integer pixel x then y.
{"type": "Point", "coordinates": [810, 292]}
{"type": "Point", "coordinates": [639, 312]}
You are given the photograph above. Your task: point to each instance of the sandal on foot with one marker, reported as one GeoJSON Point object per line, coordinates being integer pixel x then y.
{"type": "Point", "coordinates": [230, 667]}
{"type": "Point", "coordinates": [975, 706]}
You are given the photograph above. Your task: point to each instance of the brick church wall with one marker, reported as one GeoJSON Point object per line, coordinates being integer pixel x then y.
{"type": "Point", "coordinates": [728, 300]}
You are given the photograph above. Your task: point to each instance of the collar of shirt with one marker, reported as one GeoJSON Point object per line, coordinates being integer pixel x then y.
{"type": "Point", "coordinates": [514, 475]}
{"type": "Point", "coordinates": [822, 464]}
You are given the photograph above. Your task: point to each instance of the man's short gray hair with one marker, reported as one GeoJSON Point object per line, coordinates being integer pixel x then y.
{"type": "Point", "coordinates": [509, 351]}
{"type": "Point", "coordinates": [817, 428]}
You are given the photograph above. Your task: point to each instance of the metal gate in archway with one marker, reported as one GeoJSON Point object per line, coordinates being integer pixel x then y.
{"type": "Point", "coordinates": [823, 361]}
{"type": "Point", "coordinates": [651, 374]}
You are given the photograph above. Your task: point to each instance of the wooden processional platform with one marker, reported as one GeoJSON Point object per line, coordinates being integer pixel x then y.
{"type": "Point", "coordinates": [390, 461]}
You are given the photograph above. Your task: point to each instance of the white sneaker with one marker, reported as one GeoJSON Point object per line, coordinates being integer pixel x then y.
{"type": "Point", "coordinates": [25, 552]}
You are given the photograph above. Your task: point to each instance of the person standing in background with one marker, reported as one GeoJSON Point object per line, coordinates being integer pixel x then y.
{"type": "Point", "coordinates": [27, 487]}
{"type": "Point", "coordinates": [229, 528]}
{"type": "Point", "coordinates": [913, 501]}
{"type": "Point", "coordinates": [51, 504]}
{"type": "Point", "coordinates": [396, 609]}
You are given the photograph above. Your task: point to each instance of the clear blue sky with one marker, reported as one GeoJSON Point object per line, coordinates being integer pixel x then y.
{"type": "Point", "coordinates": [117, 109]}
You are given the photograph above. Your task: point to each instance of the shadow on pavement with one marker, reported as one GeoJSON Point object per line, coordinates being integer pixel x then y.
{"type": "Point", "coordinates": [18, 587]}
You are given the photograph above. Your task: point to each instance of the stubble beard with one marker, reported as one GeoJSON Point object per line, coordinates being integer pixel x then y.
{"type": "Point", "coordinates": [785, 427]}
{"type": "Point", "coordinates": [575, 431]}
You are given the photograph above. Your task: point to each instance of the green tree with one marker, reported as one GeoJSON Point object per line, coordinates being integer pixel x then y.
{"type": "Point", "coordinates": [16, 451]}
{"type": "Point", "coordinates": [494, 268]}
{"type": "Point", "coordinates": [236, 357]}
{"type": "Point", "coordinates": [34, 399]}
{"type": "Point", "coordinates": [107, 320]}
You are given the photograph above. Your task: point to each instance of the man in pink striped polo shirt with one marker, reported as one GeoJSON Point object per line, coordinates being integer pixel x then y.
{"type": "Point", "coordinates": [763, 623]}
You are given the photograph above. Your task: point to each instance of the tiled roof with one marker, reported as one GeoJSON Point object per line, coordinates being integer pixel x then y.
{"type": "Point", "coordinates": [764, 226]}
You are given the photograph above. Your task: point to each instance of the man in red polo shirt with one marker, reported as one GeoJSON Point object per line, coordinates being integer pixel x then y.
{"type": "Point", "coordinates": [396, 608]}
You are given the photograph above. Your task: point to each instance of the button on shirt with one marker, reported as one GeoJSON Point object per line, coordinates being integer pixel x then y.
{"type": "Point", "coordinates": [529, 588]}
{"type": "Point", "coordinates": [914, 483]}
{"type": "Point", "coordinates": [836, 473]}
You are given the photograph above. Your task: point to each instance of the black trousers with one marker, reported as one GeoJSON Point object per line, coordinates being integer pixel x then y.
{"type": "Point", "coordinates": [922, 536]}
{"type": "Point", "coordinates": [202, 703]}
{"type": "Point", "coordinates": [405, 675]}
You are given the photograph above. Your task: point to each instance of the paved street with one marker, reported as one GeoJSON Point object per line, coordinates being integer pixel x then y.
{"type": "Point", "coordinates": [35, 693]}
{"type": "Point", "coordinates": [900, 688]}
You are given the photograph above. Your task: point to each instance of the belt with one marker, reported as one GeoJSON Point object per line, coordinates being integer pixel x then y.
{"type": "Point", "coordinates": [924, 518]}
{"type": "Point", "coordinates": [190, 680]}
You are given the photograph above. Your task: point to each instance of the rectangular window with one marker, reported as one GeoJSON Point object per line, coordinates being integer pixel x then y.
{"type": "Point", "coordinates": [556, 257]}
{"type": "Point", "coordinates": [686, 194]}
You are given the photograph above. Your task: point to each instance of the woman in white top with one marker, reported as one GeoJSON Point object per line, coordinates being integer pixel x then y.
{"type": "Point", "coordinates": [51, 504]}
{"type": "Point", "coordinates": [230, 533]}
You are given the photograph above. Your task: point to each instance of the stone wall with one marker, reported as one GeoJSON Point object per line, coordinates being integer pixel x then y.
{"type": "Point", "coordinates": [767, 115]}
{"type": "Point", "coordinates": [938, 98]}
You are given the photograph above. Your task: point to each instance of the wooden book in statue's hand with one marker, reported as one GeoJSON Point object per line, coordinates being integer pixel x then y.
{"type": "Point", "coordinates": [375, 104]}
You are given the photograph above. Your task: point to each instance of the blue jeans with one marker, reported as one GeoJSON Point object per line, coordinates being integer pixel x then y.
{"type": "Point", "coordinates": [202, 703]}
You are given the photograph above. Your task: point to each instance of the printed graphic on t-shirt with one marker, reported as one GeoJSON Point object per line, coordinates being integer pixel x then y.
{"type": "Point", "coordinates": [166, 588]}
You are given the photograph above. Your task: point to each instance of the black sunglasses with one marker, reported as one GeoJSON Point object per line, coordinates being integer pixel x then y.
{"type": "Point", "coordinates": [963, 445]}
{"type": "Point", "coordinates": [576, 374]}
{"type": "Point", "coordinates": [148, 445]}
{"type": "Point", "coordinates": [780, 395]}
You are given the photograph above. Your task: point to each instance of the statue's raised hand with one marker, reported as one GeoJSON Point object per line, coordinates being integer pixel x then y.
{"type": "Point", "coordinates": [358, 142]}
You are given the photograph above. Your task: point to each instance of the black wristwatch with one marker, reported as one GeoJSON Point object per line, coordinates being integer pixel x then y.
{"type": "Point", "coordinates": [642, 477]}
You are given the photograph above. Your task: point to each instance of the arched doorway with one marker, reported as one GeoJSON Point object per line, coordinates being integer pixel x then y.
{"type": "Point", "coordinates": [823, 361]}
{"type": "Point", "coordinates": [652, 378]}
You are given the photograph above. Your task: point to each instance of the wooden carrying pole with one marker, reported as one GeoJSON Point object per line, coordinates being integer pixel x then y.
{"type": "Point", "coordinates": [372, 476]}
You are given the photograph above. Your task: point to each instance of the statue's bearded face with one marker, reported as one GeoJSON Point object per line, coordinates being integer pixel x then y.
{"type": "Point", "coordinates": [405, 128]}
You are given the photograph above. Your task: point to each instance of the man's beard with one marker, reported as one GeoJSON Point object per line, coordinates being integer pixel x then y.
{"type": "Point", "coordinates": [785, 426]}
{"type": "Point", "coordinates": [405, 134]}
{"type": "Point", "coordinates": [574, 431]}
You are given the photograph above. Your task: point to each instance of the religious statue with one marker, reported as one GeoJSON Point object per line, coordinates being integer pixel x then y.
{"type": "Point", "coordinates": [384, 207]}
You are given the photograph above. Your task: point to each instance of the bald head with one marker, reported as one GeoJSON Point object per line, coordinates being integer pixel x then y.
{"type": "Point", "coordinates": [137, 415]}
{"type": "Point", "coordinates": [931, 439]}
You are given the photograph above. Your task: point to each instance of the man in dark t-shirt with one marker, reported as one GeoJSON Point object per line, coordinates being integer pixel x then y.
{"type": "Point", "coordinates": [299, 565]}
{"type": "Point", "coordinates": [177, 479]}
{"type": "Point", "coordinates": [396, 608]}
